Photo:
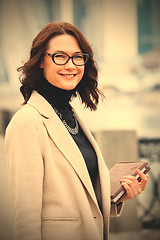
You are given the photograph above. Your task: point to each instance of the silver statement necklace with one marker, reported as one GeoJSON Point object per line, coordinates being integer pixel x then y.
{"type": "Point", "coordinates": [73, 131]}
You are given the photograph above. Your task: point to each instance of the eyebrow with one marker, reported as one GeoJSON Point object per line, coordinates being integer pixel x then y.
{"type": "Point", "coordinates": [60, 51]}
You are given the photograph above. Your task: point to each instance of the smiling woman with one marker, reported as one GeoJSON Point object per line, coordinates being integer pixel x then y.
{"type": "Point", "coordinates": [61, 38]}
{"type": "Point", "coordinates": [60, 185]}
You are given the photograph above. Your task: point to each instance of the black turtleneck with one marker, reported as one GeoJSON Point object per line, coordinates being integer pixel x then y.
{"type": "Point", "coordinates": [60, 98]}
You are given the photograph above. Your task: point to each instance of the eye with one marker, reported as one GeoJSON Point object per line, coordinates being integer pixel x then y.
{"type": "Point", "coordinates": [60, 56]}
{"type": "Point", "coordinates": [79, 57]}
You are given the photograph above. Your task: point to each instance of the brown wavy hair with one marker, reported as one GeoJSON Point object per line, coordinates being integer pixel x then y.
{"type": "Point", "coordinates": [31, 72]}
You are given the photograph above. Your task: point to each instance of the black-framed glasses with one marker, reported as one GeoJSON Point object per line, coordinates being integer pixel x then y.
{"type": "Point", "coordinates": [78, 59]}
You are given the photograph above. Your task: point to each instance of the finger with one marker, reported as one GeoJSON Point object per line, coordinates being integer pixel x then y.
{"type": "Point", "coordinates": [140, 173]}
{"type": "Point", "coordinates": [132, 178]}
{"type": "Point", "coordinates": [143, 176]}
{"type": "Point", "coordinates": [143, 184]}
{"type": "Point", "coordinates": [134, 185]}
{"type": "Point", "coordinates": [144, 179]}
{"type": "Point", "coordinates": [129, 193]}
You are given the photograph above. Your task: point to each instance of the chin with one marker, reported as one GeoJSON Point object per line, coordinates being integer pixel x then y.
{"type": "Point", "coordinates": [69, 86]}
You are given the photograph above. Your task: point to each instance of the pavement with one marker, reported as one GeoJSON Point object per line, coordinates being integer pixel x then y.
{"type": "Point", "coordinates": [143, 234]}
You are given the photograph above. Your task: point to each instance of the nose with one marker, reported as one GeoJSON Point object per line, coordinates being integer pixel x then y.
{"type": "Point", "coordinates": [70, 64]}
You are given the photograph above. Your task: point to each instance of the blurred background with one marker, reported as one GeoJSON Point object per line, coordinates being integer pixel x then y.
{"type": "Point", "coordinates": [125, 37]}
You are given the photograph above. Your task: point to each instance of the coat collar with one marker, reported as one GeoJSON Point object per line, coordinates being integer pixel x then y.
{"type": "Point", "coordinates": [64, 140]}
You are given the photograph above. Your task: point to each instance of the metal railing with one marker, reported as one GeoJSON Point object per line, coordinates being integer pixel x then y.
{"type": "Point", "coordinates": [149, 203]}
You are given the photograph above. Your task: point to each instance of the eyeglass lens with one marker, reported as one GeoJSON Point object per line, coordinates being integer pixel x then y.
{"type": "Point", "coordinates": [62, 58]}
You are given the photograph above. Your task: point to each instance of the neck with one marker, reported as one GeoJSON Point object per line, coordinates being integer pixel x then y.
{"type": "Point", "coordinates": [58, 97]}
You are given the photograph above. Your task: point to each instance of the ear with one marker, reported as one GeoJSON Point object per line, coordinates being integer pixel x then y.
{"type": "Point", "coordinates": [42, 65]}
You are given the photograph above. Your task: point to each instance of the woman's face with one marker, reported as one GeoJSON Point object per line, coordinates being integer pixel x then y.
{"type": "Point", "coordinates": [62, 76]}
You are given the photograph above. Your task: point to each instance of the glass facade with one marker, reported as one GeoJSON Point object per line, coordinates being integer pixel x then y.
{"type": "Point", "coordinates": [21, 21]}
{"type": "Point", "coordinates": [88, 17]}
{"type": "Point", "coordinates": [148, 24]}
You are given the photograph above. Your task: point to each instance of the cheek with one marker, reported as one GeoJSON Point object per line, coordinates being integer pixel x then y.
{"type": "Point", "coordinates": [50, 69]}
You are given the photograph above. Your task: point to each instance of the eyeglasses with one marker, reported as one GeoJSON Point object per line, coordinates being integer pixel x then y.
{"type": "Point", "coordinates": [78, 59]}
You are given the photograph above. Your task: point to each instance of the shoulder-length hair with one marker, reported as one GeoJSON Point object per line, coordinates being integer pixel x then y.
{"type": "Point", "coordinates": [87, 89]}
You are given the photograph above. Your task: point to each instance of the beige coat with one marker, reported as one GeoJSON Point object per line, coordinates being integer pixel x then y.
{"type": "Point", "coordinates": [52, 194]}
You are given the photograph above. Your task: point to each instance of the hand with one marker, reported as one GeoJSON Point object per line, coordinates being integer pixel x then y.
{"type": "Point", "coordinates": [132, 186]}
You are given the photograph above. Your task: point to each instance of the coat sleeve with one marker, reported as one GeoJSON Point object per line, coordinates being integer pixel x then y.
{"type": "Point", "coordinates": [25, 168]}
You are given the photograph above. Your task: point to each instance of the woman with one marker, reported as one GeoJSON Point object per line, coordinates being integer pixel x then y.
{"type": "Point", "coordinates": [59, 182]}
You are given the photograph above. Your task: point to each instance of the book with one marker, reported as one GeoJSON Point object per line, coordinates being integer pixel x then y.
{"type": "Point", "coordinates": [120, 170]}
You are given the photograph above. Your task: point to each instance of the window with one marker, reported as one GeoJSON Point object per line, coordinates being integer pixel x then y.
{"type": "Point", "coordinates": [148, 24]}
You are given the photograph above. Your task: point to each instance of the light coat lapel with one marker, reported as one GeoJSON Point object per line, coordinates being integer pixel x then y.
{"type": "Point", "coordinates": [63, 140]}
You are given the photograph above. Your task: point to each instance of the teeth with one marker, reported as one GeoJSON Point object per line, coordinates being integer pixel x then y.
{"type": "Point", "coordinates": [68, 75]}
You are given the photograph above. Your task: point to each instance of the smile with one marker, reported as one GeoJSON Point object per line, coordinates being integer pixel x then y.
{"type": "Point", "coordinates": [68, 75]}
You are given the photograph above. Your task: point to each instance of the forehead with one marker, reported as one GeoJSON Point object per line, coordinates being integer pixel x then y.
{"type": "Point", "coordinates": [66, 43]}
